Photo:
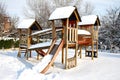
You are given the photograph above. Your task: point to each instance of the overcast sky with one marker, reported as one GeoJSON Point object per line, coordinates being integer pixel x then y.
{"type": "Point", "coordinates": [16, 7]}
{"type": "Point", "coordinates": [101, 5]}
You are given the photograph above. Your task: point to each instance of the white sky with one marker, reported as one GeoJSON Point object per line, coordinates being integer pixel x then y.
{"type": "Point", "coordinates": [101, 5]}
{"type": "Point", "coordinates": [16, 7]}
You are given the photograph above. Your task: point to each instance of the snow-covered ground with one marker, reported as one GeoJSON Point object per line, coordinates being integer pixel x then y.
{"type": "Point", "coordinates": [105, 67]}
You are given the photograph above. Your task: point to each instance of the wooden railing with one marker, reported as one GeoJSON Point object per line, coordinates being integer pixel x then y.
{"type": "Point", "coordinates": [72, 34]}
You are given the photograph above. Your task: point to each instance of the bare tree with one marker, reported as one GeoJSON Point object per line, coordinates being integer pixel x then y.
{"type": "Point", "coordinates": [60, 3]}
{"type": "Point", "coordinates": [38, 9]}
{"type": "Point", "coordinates": [3, 13]}
{"type": "Point", "coordinates": [41, 9]}
{"type": "Point", "coordinates": [14, 22]}
{"type": "Point", "coordinates": [87, 8]}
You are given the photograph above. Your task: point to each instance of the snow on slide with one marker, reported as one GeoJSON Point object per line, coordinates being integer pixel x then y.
{"type": "Point", "coordinates": [44, 62]}
{"type": "Point", "coordinates": [34, 73]}
{"type": "Point", "coordinates": [47, 59]}
{"type": "Point", "coordinates": [39, 68]}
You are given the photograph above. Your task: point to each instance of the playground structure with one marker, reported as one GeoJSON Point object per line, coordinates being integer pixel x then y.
{"type": "Point", "coordinates": [71, 38]}
{"type": "Point", "coordinates": [91, 24]}
{"type": "Point", "coordinates": [69, 17]}
{"type": "Point", "coordinates": [26, 28]}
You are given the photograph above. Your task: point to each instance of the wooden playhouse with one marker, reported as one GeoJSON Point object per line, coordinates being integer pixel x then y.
{"type": "Point", "coordinates": [91, 25]}
{"type": "Point", "coordinates": [26, 28]}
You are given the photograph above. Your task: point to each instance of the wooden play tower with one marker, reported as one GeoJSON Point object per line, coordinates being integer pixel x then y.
{"type": "Point", "coordinates": [69, 17]}
{"type": "Point", "coordinates": [91, 24]}
{"type": "Point", "coordinates": [25, 28]}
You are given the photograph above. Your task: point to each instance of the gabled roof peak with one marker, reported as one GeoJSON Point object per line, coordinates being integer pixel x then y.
{"type": "Point", "coordinates": [62, 13]}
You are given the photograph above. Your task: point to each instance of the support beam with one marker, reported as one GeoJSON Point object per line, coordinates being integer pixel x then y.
{"type": "Point", "coordinates": [80, 53]}
{"type": "Point", "coordinates": [92, 42]}
{"type": "Point", "coordinates": [19, 52]}
{"type": "Point", "coordinates": [76, 41]}
{"type": "Point", "coordinates": [63, 56]}
{"type": "Point", "coordinates": [29, 38]}
{"type": "Point", "coordinates": [66, 47]}
{"type": "Point", "coordinates": [53, 31]}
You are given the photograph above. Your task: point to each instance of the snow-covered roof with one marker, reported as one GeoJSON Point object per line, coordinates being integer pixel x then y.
{"type": "Point", "coordinates": [83, 32]}
{"type": "Point", "coordinates": [86, 20]}
{"type": "Point", "coordinates": [26, 23]}
{"type": "Point", "coordinates": [62, 13]}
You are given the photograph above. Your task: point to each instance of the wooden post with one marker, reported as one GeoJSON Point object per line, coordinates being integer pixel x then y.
{"type": "Point", "coordinates": [29, 38]}
{"type": "Point", "coordinates": [92, 53]}
{"type": "Point", "coordinates": [37, 56]}
{"type": "Point", "coordinates": [97, 48]}
{"type": "Point", "coordinates": [97, 42]}
{"type": "Point", "coordinates": [19, 52]}
{"type": "Point", "coordinates": [63, 46]}
{"type": "Point", "coordinates": [62, 55]}
{"type": "Point", "coordinates": [80, 52]}
{"type": "Point", "coordinates": [29, 42]}
{"type": "Point", "coordinates": [86, 51]}
{"type": "Point", "coordinates": [76, 41]}
{"type": "Point", "coordinates": [53, 31]}
{"type": "Point", "coordinates": [66, 42]}
{"type": "Point", "coordinates": [97, 38]}
{"type": "Point", "coordinates": [38, 53]}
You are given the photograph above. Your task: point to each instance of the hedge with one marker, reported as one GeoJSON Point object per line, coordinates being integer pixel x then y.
{"type": "Point", "coordinates": [6, 44]}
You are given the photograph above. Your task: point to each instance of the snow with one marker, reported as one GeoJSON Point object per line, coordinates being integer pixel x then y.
{"type": "Point", "coordinates": [62, 13]}
{"type": "Point", "coordinates": [40, 45]}
{"type": "Point", "coordinates": [41, 65]}
{"type": "Point", "coordinates": [105, 67]}
{"type": "Point", "coordinates": [45, 31]}
{"type": "Point", "coordinates": [29, 74]}
{"type": "Point", "coordinates": [25, 23]}
{"type": "Point", "coordinates": [42, 31]}
{"type": "Point", "coordinates": [89, 19]}
{"type": "Point", "coordinates": [83, 32]}
{"type": "Point", "coordinates": [9, 66]}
